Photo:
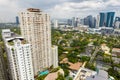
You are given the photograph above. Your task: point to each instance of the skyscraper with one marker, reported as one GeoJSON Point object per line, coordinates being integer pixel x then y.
{"type": "Point", "coordinates": [117, 23]}
{"type": "Point", "coordinates": [106, 19]}
{"type": "Point", "coordinates": [19, 56]}
{"type": "Point", "coordinates": [3, 71]}
{"type": "Point", "coordinates": [90, 21]}
{"type": "Point", "coordinates": [17, 20]}
{"type": "Point", "coordinates": [69, 22]}
{"type": "Point", "coordinates": [73, 22]}
{"type": "Point", "coordinates": [102, 19]}
{"type": "Point", "coordinates": [36, 29]}
{"type": "Point", "coordinates": [117, 19]}
{"type": "Point", "coordinates": [110, 18]}
{"type": "Point", "coordinates": [97, 21]}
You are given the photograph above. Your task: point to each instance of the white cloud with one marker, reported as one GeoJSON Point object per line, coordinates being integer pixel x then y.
{"type": "Point", "coordinates": [84, 8]}
{"type": "Point", "coordinates": [57, 9]}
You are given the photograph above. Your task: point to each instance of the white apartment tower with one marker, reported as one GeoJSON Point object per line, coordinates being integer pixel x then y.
{"type": "Point", "coordinates": [36, 29]}
{"type": "Point", "coordinates": [55, 23]}
{"type": "Point", "coordinates": [98, 21]}
{"type": "Point", "coordinates": [55, 56]}
{"type": "Point", "coordinates": [19, 56]}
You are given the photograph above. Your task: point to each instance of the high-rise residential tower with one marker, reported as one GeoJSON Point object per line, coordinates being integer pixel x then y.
{"type": "Point", "coordinates": [19, 56]}
{"type": "Point", "coordinates": [3, 71]}
{"type": "Point", "coordinates": [36, 29]}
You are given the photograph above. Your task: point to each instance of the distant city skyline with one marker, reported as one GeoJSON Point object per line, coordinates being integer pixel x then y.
{"type": "Point", "coordinates": [58, 9]}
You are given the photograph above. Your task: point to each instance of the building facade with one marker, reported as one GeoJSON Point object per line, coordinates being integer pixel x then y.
{"type": "Point", "coordinates": [19, 56]}
{"type": "Point", "coordinates": [17, 20]}
{"type": "Point", "coordinates": [36, 29]}
{"type": "Point", "coordinates": [102, 19]}
{"type": "Point", "coordinates": [117, 23]}
{"type": "Point", "coordinates": [90, 21]}
{"type": "Point", "coordinates": [97, 21]}
{"type": "Point", "coordinates": [107, 19]}
{"type": "Point", "coordinates": [110, 18]}
{"type": "Point", "coordinates": [55, 56]}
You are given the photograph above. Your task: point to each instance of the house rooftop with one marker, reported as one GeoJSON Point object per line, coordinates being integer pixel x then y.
{"type": "Point", "coordinates": [116, 49]}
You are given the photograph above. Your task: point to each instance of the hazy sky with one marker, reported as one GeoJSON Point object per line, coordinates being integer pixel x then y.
{"type": "Point", "coordinates": [58, 8]}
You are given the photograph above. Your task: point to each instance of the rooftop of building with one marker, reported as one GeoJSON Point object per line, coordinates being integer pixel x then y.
{"type": "Point", "coordinates": [33, 10]}
{"type": "Point", "coordinates": [13, 36]}
{"type": "Point", "coordinates": [116, 49]}
{"type": "Point", "coordinates": [84, 73]}
{"type": "Point", "coordinates": [72, 66]}
{"type": "Point", "coordinates": [102, 75]}
{"type": "Point", "coordinates": [53, 76]}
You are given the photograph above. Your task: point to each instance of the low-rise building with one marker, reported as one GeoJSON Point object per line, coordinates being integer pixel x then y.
{"type": "Point", "coordinates": [87, 74]}
{"type": "Point", "coordinates": [115, 55]}
{"type": "Point", "coordinates": [101, 75]}
{"type": "Point", "coordinates": [105, 49]}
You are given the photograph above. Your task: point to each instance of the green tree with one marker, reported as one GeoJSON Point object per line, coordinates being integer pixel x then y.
{"type": "Point", "coordinates": [66, 72]}
{"type": "Point", "coordinates": [60, 77]}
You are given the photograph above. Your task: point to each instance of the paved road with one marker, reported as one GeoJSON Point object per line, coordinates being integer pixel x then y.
{"type": "Point", "coordinates": [94, 54]}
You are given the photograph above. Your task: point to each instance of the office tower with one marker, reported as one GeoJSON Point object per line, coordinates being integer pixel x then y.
{"type": "Point", "coordinates": [106, 19]}
{"type": "Point", "coordinates": [89, 18]}
{"type": "Point", "coordinates": [110, 18]}
{"type": "Point", "coordinates": [82, 21]}
{"type": "Point", "coordinates": [69, 22]}
{"type": "Point", "coordinates": [117, 23]}
{"type": "Point", "coordinates": [73, 22]}
{"type": "Point", "coordinates": [17, 20]}
{"type": "Point", "coordinates": [36, 29]}
{"type": "Point", "coordinates": [77, 22]}
{"type": "Point", "coordinates": [55, 56]}
{"type": "Point", "coordinates": [55, 23]}
{"type": "Point", "coordinates": [3, 70]}
{"type": "Point", "coordinates": [86, 21]}
{"type": "Point", "coordinates": [102, 19]}
{"type": "Point", "coordinates": [90, 21]}
{"type": "Point", "coordinates": [94, 22]}
{"type": "Point", "coordinates": [19, 56]}
{"type": "Point", "coordinates": [117, 19]}
{"type": "Point", "coordinates": [97, 21]}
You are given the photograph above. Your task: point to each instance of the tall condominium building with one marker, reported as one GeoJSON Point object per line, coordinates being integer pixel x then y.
{"type": "Point", "coordinates": [3, 71]}
{"type": "Point", "coordinates": [36, 29]}
{"type": "Point", "coordinates": [19, 56]}
{"type": "Point", "coordinates": [55, 56]}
